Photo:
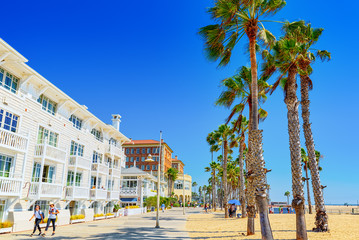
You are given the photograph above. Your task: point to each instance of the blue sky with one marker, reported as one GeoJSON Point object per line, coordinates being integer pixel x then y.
{"type": "Point", "coordinates": [144, 60]}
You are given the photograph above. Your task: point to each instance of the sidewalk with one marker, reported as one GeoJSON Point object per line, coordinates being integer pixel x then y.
{"type": "Point", "coordinates": [139, 227]}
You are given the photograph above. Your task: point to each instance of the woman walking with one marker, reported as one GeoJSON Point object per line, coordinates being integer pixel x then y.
{"type": "Point", "coordinates": [53, 211]}
{"type": "Point", "coordinates": [39, 217]}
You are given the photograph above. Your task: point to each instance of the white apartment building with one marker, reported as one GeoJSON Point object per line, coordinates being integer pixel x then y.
{"type": "Point", "coordinates": [52, 149]}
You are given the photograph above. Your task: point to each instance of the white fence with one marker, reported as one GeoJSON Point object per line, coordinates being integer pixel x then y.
{"type": "Point", "coordinates": [13, 141]}
{"type": "Point", "coordinates": [10, 186]}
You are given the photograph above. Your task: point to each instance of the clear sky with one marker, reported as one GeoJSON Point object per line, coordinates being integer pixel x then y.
{"type": "Point", "coordinates": [144, 60]}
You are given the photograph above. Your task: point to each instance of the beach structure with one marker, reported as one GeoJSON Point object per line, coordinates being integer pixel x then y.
{"type": "Point", "coordinates": [52, 149]}
{"type": "Point", "coordinates": [180, 182]}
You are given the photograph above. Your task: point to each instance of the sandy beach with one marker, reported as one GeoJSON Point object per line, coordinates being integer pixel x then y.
{"type": "Point", "coordinates": [214, 226]}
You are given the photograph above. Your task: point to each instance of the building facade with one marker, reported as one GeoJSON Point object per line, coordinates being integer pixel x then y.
{"type": "Point", "coordinates": [181, 183]}
{"type": "Point", "coordinates": [52, 149]}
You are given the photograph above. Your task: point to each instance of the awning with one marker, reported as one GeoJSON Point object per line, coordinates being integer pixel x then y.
{"type": "Point", "coordinates": [128, 199]}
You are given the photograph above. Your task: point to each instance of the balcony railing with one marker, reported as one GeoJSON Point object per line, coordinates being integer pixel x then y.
{"type": "Point", "coordinates": [113, 150]}
{"type": "Point", "coordinates": [13, 141]}
{"type": "Point", "coordinates": [10, 186]}
{"type": "Point", "coordinates": [45, 190]}
{"type": "Point", "coordinates": [98, 194]}
{"type": "Point", "coordinates": [50, 152]}
{"type": "Point", "coordinates": [127, 191]}
{"type": "Point", "coordinates": [80, 162]}
{"type": "Point", "coordinates": [115, 172]}
{"type": "Point", "coordinates": [101, 168]}
{"type": "Point", "coordinates": [113, 195]}
{"type": "Point", "coordinates": [74, 192]}
{"type": "Point", "coordinates": [149, 193]}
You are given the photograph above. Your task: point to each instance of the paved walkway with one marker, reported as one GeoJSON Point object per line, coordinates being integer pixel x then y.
{"type": "Point", "coordinates": [139, 227]}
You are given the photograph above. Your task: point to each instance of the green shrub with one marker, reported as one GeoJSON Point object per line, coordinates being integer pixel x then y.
{"type": "Point", "coordinates": [176, 205]}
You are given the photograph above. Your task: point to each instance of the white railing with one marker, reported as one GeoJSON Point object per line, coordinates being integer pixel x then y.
{"type": "Point", "coordinates": [77, 192]}
{"type": "Point", "coordinates": [52, 153]}
{"type": "Point", "coordinates": [128, 191]}
{"type": "Point", "coordinates": [13, 141]}
{"type": "Point", "coordinates": [81, 162]}
{"type": "Point", "coordinates": [98, 194]}
{"type": "Point", "coordinates": [149, 193]}
{"type": "Point", "coordinates": [10, 186]}
{"type": "Point", "coordinates": [113, 195]}
{"type": "Point", "coordinates": [100, 168]}
{"type": "Point", "coordinates": [113, 150]}
{"type": "Point", "coordinates": [49, 190]}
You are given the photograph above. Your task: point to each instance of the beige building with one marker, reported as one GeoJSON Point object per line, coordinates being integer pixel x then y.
{"type": "Point", "coordinates": [178, 188]}
{"type": "Point", "coordinates": [52, 149]}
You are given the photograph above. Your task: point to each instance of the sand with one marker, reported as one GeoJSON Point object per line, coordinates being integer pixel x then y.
{"type": "Point", "coordinates": [214, 226]}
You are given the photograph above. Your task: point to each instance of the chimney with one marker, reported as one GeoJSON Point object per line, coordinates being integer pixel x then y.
{"type": "Point", "coordinates": [176, 157]}
{"type": "Point", "coordinates": [116, 119]}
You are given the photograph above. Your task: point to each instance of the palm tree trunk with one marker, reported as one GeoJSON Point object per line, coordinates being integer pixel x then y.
{"type": "Point", "coordinates": [321, 219]}
{"type": "Point", "coordinates": [258, 161]}
{"type": "Point", "coordinates": [308, 191]}
{"type": "Point", "coordinates": [213, 188]}
{"type": "Point", "coordinates": [250, 187]}
{"type": "Point", "coordinates": [225, 197]}
{"type": "Point", "coordinates": [241, 178]}
{"type": "Point", "coordinates": [295, 152]}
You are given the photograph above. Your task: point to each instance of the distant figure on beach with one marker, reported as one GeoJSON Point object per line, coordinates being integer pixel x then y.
{"type": "Point", "coordinates": [280, 209]}
{"type": "Point", "coordinates": [163, 206]}
{"type": "Point", "coordinates": [288, 209]}
{"type": "Point", "coordinates": [205, 207]}
{"type": "Point", "coordinates": [232, 211]}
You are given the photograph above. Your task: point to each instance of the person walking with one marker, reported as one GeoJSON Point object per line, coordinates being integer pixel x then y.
{"type": "Point", "coordinates": [163, 206]}
{"type": "Point", "coordinates": [39, 217]}
{"type": "Point", "coordinates": [53, 211]}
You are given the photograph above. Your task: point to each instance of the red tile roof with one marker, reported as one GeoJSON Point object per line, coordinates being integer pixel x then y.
{"type": "Point", "coordinates": [133, 142]}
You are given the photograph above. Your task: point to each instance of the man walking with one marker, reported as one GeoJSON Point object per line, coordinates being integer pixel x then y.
{"type": "Point", "coordinates": [53, 211]}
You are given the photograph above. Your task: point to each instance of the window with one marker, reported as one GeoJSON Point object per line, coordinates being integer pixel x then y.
{"type": "Point", "coordinates": [6, 165]}
{"type": "Point", "coordinates": [93, 182]}
{"type": "Point", "coordinates": [137, 159]}
{"type": "Point", "coordinates": [70, 178]}
{"type": "Point", "coordinates": [76, 122]}
{"type": "Point", "coordinates": [36, 172]}
{"type": "Point", "coordinates": [127, 159]}
{"type": "Point", "coordinates": [8, 120]}
{"type": "Point", "coordinates": [142, 159]}
{"type": "Point", "coordinates": [127, 151]}
{"type": "Point", "coordinates": [47, 104]}
{"type": "Point", "coordinates": [126, 166]}
{"type": "Point", "coordinates": [78, 179]}
{"type": "Point", "coordinates": [44, 206]}
{"type": "Point", "coordinates": [76, 149]}
{"type": "Point", "coordinates": [131, 159]}
{"type": "Point", "coordinates": [148, 167]}
{"type": "Point", "coordinates": [178, 184]}
{"type": "Point", "coordinates": [148, 150]}
{"type": "Point", "coordinates": [2, 207]}
{"type": "Point", "coordinates": [143, 150]}
{"type": "Point", "coordinates": [8, 81]}
{"type": "Point", "coordinates": [97, 134]}
{"type": "Point", "coordinates": [143, 167]}
{"type": "Point", "coordinates": [48, 174]}
{"type": "Point", "coordinates": [113, 141]}
{"type": "Point", "coordinates": [132, 151]}
{"type": "Point", "coordinates": [49, 136]}
{"type": "Point", "coordinates": [138, 151]}
{"type": "Point", "coordinates": [138, 166]}
{"type": "Point", "coordinates": [99, 183]}
{"type": "Point", "coordinates": [96, 157]}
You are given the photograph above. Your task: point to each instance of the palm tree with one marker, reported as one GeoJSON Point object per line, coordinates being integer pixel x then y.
{"type": "Point", "coordinates": [171, 174]}
{"type": "Point", "coordinates": [287, 194]}
{"type": "Point", "coordinates": [306, 166]}
{"type": "Point", "coordinates": [286, 53]}
{"type": "Point", "coordinates": [222, 136]}
{"type": "Point", "coordinates": [204, 189]}
{"type": "Point", "coordinates": [213, 167]}
{"type": "Point", "coordinates": [194, 185]}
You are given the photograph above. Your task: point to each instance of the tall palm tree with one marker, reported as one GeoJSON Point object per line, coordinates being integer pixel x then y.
{"type": "Point", "coordinates": [171, 174]}
{"type": "Point", "coordinates": [306, 179]}
{"type": "Point", "coordinates": [287, 194]}
{"type": "Point", "coordinates": [237, 18]}
{"type": "Point", "coordinates": [223, 136]}
{"type": "Point", "coordinates": [213, 167]}
{"type": "Point", "coordinates": [287, 51]}
{"type": "Point", "coordinates": [194, 185]}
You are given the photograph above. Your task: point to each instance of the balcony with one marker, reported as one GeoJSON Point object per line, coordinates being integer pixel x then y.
{"type": "Point", "coordinates": [10, 186]}
{"type": "Point", "coordinates": [149, 193]}
{"type": "Point", "coordinates": [13, 141]}
{"type": "Point", "coordinates": [113, 195]}
{"type": "Point", "coordinates": [45, 190]}
{"type": "Point", "coordinates": [75, 192]}
{"type": "Point", "coordinates": [98, 194]}
{"type": "Point", "coordinates": [101, 168]}
{"type": "Point", "coordinates": [80, 162]}
{"type": "Point", "coordinates": [128, 191]}
{"type": "Point", "coordinates": [50, 153]}
{"type": "Point", "coordinates": [114, 151]}
{"type": "Point", "coordinates": [115, 172]}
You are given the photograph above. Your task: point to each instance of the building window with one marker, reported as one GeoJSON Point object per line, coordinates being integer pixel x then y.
{"type": "Point", "coordinates": [48, 174]}
{"type": "Point", "coordinates": [132, 150]}
{"type": "Point", "coordinates": [143, 150]}
{"type": "Point", "coordinates": [148, 167]}
{"type": "Point", "coordinates": [127, 159]}
{"type": "Point", "coordinates": [44, 206]}
{"type": "Point", "coordinates": [45, 134]}
{"type": "Point", "coordinates": [36, 172]}
{"type": "Point", "coordinates": [8, 81]}
{"type": "Point", "coordinates": [96, 157]}
{"type": "Point", "coordinates": [127, 151]}
{"type": "Point", "coordinates": [76, 122]}
{"type": "Point", "coordinates": [142, 159]}
{"type": "Point", "coordinates": [138, 151]}
{"type": "Point", "coordinates": [126, 166]}
{"type": "Point", "coordinates": [78, 179]}
{"type": "Point", "coordinates": [143, 167]}
{"type": "Point", "coordinates": [8, 120]}
{"type": "Point", "coordinates": [113, 142]}
{"type": "Point", "coordinates": [97, 134]}
{"type": "Point", "coordinates": [76, 149]}
{"type": "Point", "coordinates": [47, 104]}
{"type": "Point", "coordinates": [6, 165]}
{"type": "Point", "coordinates": [148, 150]}
{"type": "Point", "coordinates": [153, 167]}
{"type": "Point", "coordinates": [137, 159]}
{"type": "Point", "coordinates": [131, 159]}
{"type": "Point", "coordinates": [70, 178]}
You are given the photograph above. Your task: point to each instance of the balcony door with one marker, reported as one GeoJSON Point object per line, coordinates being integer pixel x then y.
{"type": "Point", "coordinates": [6, 165]}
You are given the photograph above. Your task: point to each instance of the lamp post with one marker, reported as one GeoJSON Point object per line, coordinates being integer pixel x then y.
{"type": "Point", "coordinates": [184, 204]}
{"type": "Point", "coordinates": [149, 159]}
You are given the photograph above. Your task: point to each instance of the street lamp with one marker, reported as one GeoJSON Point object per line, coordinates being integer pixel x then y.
{"type": "Point", "coordinates": [149, 159]}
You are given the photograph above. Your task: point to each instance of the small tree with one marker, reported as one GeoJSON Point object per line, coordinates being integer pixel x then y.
{"type": "Point", "coordinates": [287, 194]}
